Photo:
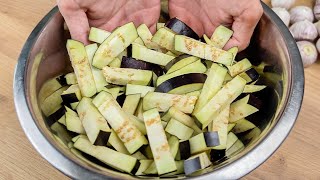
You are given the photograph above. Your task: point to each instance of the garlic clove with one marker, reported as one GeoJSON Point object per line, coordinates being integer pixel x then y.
{"type": "Point", "coordinates": [317, 24]}
{"type": "Point", "coordinates": [283, 15]}
{"type": "Point", "coordinates": [304, 30]}
{"type": "Point", "coordinates": [301, 13]}
{"type": "Point", "coordinates": [318, 45]}
{"type": "Point", "coordinates": [308, 51]}
{"type": "Point", "coordinates": [316, 10]}
{"type": "Point", "coordinates": [282, 3]}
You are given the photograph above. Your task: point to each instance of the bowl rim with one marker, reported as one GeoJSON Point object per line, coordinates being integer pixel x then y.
{"type": "Point", "coordinates": [256, 156]}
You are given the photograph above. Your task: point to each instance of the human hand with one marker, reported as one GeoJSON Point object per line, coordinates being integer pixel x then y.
{"type": "Point", "coordinates": [80, 15]}
{"type": "Point", "coordinates": [203, 16]}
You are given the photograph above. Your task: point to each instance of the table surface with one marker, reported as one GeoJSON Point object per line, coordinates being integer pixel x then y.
{"type": "Point", "coordinates": [297, 158]}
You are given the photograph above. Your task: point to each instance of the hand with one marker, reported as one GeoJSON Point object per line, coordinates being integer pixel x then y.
{"type": "Point", "coordinates": [80, 15]}
{"type": "Point", "coordinates": [203, 16]}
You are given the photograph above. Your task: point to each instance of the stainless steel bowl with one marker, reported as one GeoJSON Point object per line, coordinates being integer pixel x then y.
{"type": "Point", "coordinates": [44, 56]}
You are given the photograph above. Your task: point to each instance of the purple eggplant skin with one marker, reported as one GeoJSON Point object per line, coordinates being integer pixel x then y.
{"type": "Point", "coordinates": [181, 28]}
{"type": "Point", "coordinates": [102, 138]}
{"type": "Point", "coordinates": [56, 116]}
{"type": "Point", "coordinates": [192, 165]}
{"type": "Point", "coordinates": [129, 62]}
{"type": "Point", "coordinates": [182, 80]}
{"type": "Point", "coordinates": [184, 148]}
{"type": "Point", "coordinates": [62, 80]}
{"type": "Point", "coordinates": [253, 74]}
{"type": "Point", "coordinates": [211, 138]}
{"type": "Point", "coordinates": [69, 98]}
{"type": "Point", "coordinates": [175, 60]}
{"type": "Point", "coordinates": [217, 156]}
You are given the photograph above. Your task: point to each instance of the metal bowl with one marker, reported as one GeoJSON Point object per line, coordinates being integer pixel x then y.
{"type": "Point", "coordinates": [44, 56]}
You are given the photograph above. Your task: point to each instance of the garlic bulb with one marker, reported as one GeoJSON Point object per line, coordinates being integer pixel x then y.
{"type": "Point", "coordinates": [316, 10]}
{"type": "Point", "coordinates": [317, 24]}
{"type": "Point", "coordinates": [283, 14]}
{"type": "Point", "coordinates": [308, 52]}
{"type": "Point", "coordinates": [318, 45]}
{"type": "Point", "coordinates": [301, 13]}
{"type": "Point", "coordinates": [282, 3]}
{"type": "Point", "coordinates": [304, 30]}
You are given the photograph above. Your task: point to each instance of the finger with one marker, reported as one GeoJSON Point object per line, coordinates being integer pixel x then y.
{"type": "Point", "coordinates": [76, 20]}
{"type": "Point", "coordinates": [243, 28]}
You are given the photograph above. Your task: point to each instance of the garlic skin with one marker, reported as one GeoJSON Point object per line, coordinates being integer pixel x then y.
{"type": "Point", "coordinates": [316, 10]}
{"type": "Point", "coordinates": [282, 3]}
{"type": "Point", "coordinates": [301, 13]}
{"type": "Point", "coordinates": [283, 15]}
{"type": "Point", "coordinates": [317, 24]}
{"type": "Point", "coordinates": [318, 45]}
{"type": "Point", "coordinates": [304, 30]}
{"type": "Point", "coordinates": [308, 51]}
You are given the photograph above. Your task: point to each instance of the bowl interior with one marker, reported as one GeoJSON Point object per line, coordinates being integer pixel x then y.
{"type": "Point", "coordinates": [48, 58]}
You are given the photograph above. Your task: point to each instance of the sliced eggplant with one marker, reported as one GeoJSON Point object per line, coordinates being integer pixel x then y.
{"type": "Point", "coordinates": [184, 150]}
{"type": "Point", "coordinates": [48, 88]}
{"type": "Point", "coordinates": [81, 66]}
{"type": "Point", "coordinates": [174, 145]}
{"type": "Point", "coordinates": [253, 88]}
{"type": "Point", "coordinates": [196, 48]}
{"type": "Point", "coordinates": [118, 41]}
{"type": "Point", "coordinates": [61, 131]}
{"type": "Point", "coordinates": [181, 28]}
{"type": "Point", "coordinates": [124, 76]}
{"type": "Point", "coordinates": [71, 78]}
{"type": "Point", "coordinates": [250, 75]}
{"type": "Point", "coordinates": [131, 103]}
{"type": "Point", "coordinates": [71, 95]}
{"type": "Point", "coordinates": [242, 125]}
{"type": "Point", "coordinates": [194, 93]}
{"type": "Point", "coordinates": [146, 36]}
{"type": "Point", "coordinates": [116, 143]}
{"type": "Point", "coordinates": [203, 141]}
{"type": "Point", "coordinates": [182, 84]}
{"type": "Point", "coordinates": [138, 89]}
{"type": "Point", "coordinates": [217, 156]}
{"type": "Point", "coordinates": [119, 161]}
{"type": "Point", "coordinates": [221, 36]}
{"type": "Point", "coordinates": [73, 122]}
{"type": "Point", "coordinates": [240, 67]}
{"type": "Point", "coordinates": [132, 138]}
{"type": "Point", "coordinates": [98, 35]}
{"type": "Point", "coordinates": [139, 41]}
{"type": "Point", "coordinates": [231, 139]}
{"type": "Point", "coordinates": [160, 25]}
{"type": "Point", "coordinates": [116, 62]}
{"type": "Point", "coordinates": [235, 148]}
{"type": "Point", "coordinates": [129, 62]}
{"type": "Point", "coordinates": [163, 158]}
{"type": "Point", "coordinates": [241, 109]}
{"type": "Point", "coordinates": [179, 130]}
{"type": "Point", "coordinates": [175, 113]}
{"type": "Point", "coordinates": [220, 124]}
{"type": "Point", "coordinates": [98, 77]}
{"type": "Point", "coordinates": [165, 38]}
{"type": "Point", "coordinates": [151, 56]}
{"type": "Point", "coordinates": [196, 163]}
{"type": "Point", "coordinates": [94, 124]}
{"type": "Point", "coordinates": [53, 102]}
{"type": "Point", "coordinates": [196, 67]}
{"type": "Point", "coordinates": [211, 86]}
{"type": "Point", "coordinates": [138, 155]}
{"type": "Point", "coordinates": [56, 116]}
{"type": "Point", "coordinates": [223, 98]}
{"type": "Point", "coordinates": [230, 126]}
{"type": "Point", "coordinates": [144, 164]}
{"type": "Point", "coordinates": [163, 102]}
{"type": "Point", "coordinates": [151, 170]}
{"type": "Point", "coordinates": [207, 40]}
{"type": "Point", "coordinates": [180, 62]}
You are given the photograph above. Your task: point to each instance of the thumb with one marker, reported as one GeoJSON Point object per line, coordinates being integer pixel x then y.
{"type": "Point", "coordinates": [76, 20]}
{"type": "Point", "coordinates": [243, 27]}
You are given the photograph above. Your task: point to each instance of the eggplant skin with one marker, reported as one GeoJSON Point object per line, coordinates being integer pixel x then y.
{"type": "Point", "coordinates": [181, 80]}
{"type": "Point", "coordinates": [56, 115]}
{"type": "Point", "coordinates": [69, 98]}
{"type": "Point", "coordinates": [181, 28]}
{"type": "Point", "coordinates": [184, 148]}
{"type": "Point", "coordinates": [102, 138]}
{"type": "Point", "coordinates": [129, 62]}
{"type": "Point", "coordinates": [62, 80]}
{"type": "Point", "coordinates": [211, 138]}
{"type": "Point", "coordinates": [217, 156]}
{"type": "Point", "coordinates": [253, 74]}
{"type": "Point", "coordinates": [175, 60]}
{"type": "Point", "coordinates": [192, 165]}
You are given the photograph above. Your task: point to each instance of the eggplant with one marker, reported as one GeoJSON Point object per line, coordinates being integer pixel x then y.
{"type": "Point", "coordinates": [211, 138]}
{"type": "Point", "coordinates": [62, 80]}
{"type": "Point", "coordinates": [184, 148]}
{"type": "Point", "coordinates": [181, 28]}
{"type": "Point", "coordinates": [252, 74]}
{"type": "Point", "coordinates": [102, 138]}
{"type": "Point", "coordinates": [129, 62]}
{"type": "Point", "coordinates": [216, 156]}
{"type": "Point", "coordinates": [192, 165]}
{"type": "Point", "coordinates": [179, 59]}
{"type": "Point", "coordinates": [56, 116]}
{"type": "Point", "coordinates": [179, 81]}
